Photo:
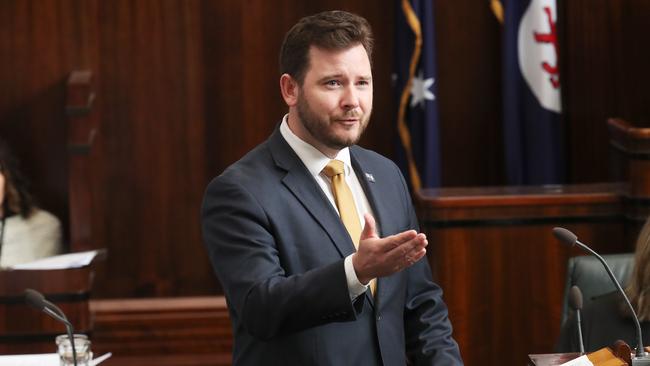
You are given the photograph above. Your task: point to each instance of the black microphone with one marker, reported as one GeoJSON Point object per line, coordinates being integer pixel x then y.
{"type": "Point", "coordinates": [37, 300]}
{"type": "Point", "coordinates": [569, 238]}
{"type": "Point", "coordinates": [575, 301]}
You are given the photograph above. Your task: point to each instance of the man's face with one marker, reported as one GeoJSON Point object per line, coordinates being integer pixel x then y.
{"type": "Point", "coordinates": [335, 101]}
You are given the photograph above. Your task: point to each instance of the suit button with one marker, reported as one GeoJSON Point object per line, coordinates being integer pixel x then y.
{"type": "Point", "coordinates": [378, 317]}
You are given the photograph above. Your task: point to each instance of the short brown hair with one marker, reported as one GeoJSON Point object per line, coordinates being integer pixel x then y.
{"type": "Point", "coordinates": [329, 30]}
{"type": "Point", "coordinates": [17, 199]}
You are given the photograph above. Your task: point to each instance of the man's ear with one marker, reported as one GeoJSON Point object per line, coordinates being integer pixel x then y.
{"type": "Point", "coordinates": [290, 89]}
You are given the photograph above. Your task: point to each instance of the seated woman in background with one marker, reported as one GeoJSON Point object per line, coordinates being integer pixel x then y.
{"type": "Point", "coordinates": [608, 318]}
{"type": "Point", "coordinates": [27, 233]}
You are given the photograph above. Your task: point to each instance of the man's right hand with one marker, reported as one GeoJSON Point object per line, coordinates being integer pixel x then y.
{"type": "Point", "coordinates": [379, 257]}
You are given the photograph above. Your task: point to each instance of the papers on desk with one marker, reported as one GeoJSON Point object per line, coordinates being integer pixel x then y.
{"type": "Point", "coordinates": [43, 359]}
{"type": "Point", "coordinates": [63, 261]}
{"type": "Point", "coordinates": [580, 361]}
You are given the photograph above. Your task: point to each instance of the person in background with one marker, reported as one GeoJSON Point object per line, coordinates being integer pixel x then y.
{"type": "Point", "coordinates": [608, 318]}
{"type": "Point", "coordinates": [27, 233]}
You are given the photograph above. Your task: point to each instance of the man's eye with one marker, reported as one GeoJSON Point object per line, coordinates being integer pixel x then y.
{"type": "Point", "coordinates": [333, 83]}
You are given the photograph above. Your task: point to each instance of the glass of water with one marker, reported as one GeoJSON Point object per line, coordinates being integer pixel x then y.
{"type": "Point", "coordinates": [82, 346]}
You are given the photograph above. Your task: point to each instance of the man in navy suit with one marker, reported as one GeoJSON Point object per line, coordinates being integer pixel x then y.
{"type": "Point", "coordinates": [303, 287]}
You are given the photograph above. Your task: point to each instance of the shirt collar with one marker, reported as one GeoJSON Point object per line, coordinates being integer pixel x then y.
{"type": "Point", "coordinates": [313, 159]}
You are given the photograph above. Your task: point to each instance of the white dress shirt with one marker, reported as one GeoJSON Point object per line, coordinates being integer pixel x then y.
{"type": "Point", "coordinates": [315, 161]}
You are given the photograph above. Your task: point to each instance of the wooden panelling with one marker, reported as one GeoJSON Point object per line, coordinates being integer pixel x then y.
{"type": "Point", "coordinates": [603, 60]}
{"type": "Point", "coordinates": [163, 331]}
{"type": "Point", "coordinates": [186, 87]}
{"type": "Point", "coordinates": [503, 272]}
{"type": "Point", "coordinates": [152, 148]}
{"type": "Point", "coordinates": [24, 329]}
{"type": "Point", "coordinates": [41, 42]}
{"type": "Point", "coordinates": [468, 40]}
{"type": "Point", "coordinates": [82, 127]}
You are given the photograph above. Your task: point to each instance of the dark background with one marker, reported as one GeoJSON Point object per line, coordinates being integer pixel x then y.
{"type": "Point", "coordinates": [186, 87]}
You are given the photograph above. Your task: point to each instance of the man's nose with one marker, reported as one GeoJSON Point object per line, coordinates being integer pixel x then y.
{"type": "Point", "coordinates": [350, 98]}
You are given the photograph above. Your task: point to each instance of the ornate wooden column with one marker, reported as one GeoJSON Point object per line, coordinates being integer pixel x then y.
{"type": "Point", "coordinates": [631, 163]}
{"type": "Point", "coordinates": [82, 129]}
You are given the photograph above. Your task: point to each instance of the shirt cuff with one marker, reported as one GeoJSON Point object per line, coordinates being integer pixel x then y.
{"type": "Point", "coordinates": [355, 288]}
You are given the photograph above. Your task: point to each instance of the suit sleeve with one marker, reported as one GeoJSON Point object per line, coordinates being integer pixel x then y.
{"type": "Point", "coordinates": [244, 253]}
{"type": "Point", "coordinates": [428, 330]}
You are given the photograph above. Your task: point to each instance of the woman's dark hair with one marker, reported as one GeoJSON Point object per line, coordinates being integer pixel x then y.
{"type": "Point", "coordinates": [17, 199]}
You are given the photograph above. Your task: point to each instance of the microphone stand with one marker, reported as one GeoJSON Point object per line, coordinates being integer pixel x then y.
{"type": "Point", "coordinates": [579, 321]}
{"type": "Point", "coordinates": [37, 300]}
{"type": "Point", "coordinates": [640, 351]}
{"type": "Point", "coordinates": [641, 356]}
{"type": "Point", "coordinates": [575, 301]}
{"type": "Point", "coordinates": [54, 311]}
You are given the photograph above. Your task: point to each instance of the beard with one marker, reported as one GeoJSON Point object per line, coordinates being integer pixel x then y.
{"type": "Point", "coordinates": [321, 129]}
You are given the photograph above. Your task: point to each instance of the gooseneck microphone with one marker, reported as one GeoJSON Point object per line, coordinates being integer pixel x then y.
{"type": "Point", "coordinates": [575, 301]}
{"type": "Point", "coordinates": [569, 238]}
{"type": "Point", "coordinates": [38, 301]}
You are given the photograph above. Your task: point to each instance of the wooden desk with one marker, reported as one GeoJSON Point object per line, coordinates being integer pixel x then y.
{"type": "Point", "coordinates": [502, 271]}
{"type": "Point", "coordinates": [188, 331]}
{"type": "Point", "coordinates": [26, 330]}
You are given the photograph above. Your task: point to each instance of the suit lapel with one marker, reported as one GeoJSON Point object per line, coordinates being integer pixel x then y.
{"type": "Point", "coordinates": [303, 186]}
{"type": "Point", "coordinates": [369, 185]}
{"type": "Point", "coordinates": [372, 189]}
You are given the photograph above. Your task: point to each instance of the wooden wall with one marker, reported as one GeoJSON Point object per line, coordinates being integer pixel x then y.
{"type": "Point", "coordinates": [502, 270]}
{"type": "Point", "coordinates": [184, 88]}
{"type": "Point", "coordinates": [604, 64]}
{"type": "Point", "coordinates": [468, 39]}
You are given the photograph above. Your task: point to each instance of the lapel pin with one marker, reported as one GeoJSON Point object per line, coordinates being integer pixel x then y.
{"type": "Point", "coordinates": [370, 178]}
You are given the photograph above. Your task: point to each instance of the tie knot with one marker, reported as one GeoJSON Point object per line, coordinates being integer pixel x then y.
{"type": "Point", "coordinates": [334, 167]}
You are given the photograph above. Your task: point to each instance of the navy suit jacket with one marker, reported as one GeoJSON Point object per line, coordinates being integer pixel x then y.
{"type": "Point", "coordinates": [277, 246]}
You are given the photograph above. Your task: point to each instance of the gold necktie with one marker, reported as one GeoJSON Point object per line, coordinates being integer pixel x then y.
{"type": "Point", "coordinates": [344, 200]}
{"type": "Point", "coordinates": [345, 203]}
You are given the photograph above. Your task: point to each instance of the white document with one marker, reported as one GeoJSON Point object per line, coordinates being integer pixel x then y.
{"type": "Point", "coordinates": [580, 361]}
{"type": "Point", "coordinates": [43, 359]}
{"type": "Point", "coordinates": [63, 261]}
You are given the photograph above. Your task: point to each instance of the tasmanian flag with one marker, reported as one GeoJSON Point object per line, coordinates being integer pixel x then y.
{"type": "Point", "coordinates": [533, 132]}
{"type": "Point", "coordinates": [415, 79]}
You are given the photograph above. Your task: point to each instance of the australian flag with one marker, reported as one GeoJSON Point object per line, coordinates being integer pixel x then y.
{"type": "Point", "coordinates": [533, 131]}
{"type": "Point", "coordinates": [415, 79]}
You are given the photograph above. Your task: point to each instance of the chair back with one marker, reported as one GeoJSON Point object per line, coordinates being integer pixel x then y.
{"type": "Point", "coordinates": [591, 277]}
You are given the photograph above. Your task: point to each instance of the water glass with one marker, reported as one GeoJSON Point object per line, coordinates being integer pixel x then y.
{"type": "Point", "coordinates": [82, 347]}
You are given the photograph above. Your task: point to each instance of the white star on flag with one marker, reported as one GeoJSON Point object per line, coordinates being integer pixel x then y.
{"type": "Point", "coordinates": [420, 90]}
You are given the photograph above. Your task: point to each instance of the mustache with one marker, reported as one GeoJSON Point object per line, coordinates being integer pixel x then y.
{"type": "Point", "coordinates": [349, 115]}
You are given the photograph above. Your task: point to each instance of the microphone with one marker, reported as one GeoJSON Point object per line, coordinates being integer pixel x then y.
{"type": "Point", "coordinates": [569, 238]}
{"type": "Point", "coordinates": [38, 301]}
{"type": "Point", "coordinates": [575, 301]}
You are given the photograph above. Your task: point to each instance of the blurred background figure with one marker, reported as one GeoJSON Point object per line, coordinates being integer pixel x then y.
{"type": "Point", "coordinates": [27, 233]}
{"type": "Point", "coordinates": [607, 318]}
